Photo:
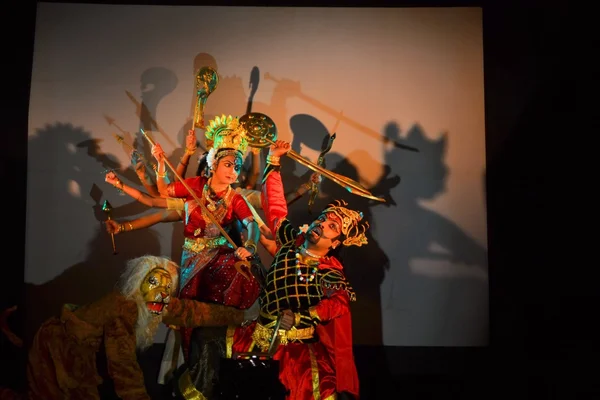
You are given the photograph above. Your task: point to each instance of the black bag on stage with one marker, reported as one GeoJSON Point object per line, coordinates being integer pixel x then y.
{"type": "Point", "coordinates": [249, 376]}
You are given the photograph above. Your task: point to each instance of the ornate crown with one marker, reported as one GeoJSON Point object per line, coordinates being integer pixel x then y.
{"type": "Point", "coordinates": [227, 137]}
{"type": "Point", "coordinates": [352, 228]}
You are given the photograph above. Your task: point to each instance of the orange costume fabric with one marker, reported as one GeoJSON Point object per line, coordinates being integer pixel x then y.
{"type": "Point", "coordinates": [208, 274]}
{"type": "Point", "coordinates": [320, 363]}
{"type": "Point", "coordinates": [62, 358]}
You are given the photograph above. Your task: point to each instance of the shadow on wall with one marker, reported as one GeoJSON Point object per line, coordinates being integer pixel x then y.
{"type": "Point", "coordinates": [366, 311]}
{"type": "Point", "coordinates": [420, 277]}
{"type": "Point", "coordinates": [437, 291]}
{"type": "Point", "coordinates": [63, 159]}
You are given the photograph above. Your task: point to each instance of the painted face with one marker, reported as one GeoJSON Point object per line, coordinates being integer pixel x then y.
{"type": "Point", "coordinates": [228, 169]}
{"type": "Point", "coordinates": [156, 290]}
{"type": "Point", "coordinates": [324, 231]}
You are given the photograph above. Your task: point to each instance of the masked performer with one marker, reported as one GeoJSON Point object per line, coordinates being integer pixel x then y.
{"type": "Point", "coordinates": [72, 355]}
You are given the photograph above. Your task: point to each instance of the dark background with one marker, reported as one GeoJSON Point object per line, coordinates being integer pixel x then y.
{"type": "Point", "coordinates": [540, 295]}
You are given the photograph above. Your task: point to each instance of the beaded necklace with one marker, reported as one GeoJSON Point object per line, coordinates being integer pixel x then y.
{"type": "Point", "coordinates": [311, 261]}
{"type": "Point", "coordinates": [212, 204]}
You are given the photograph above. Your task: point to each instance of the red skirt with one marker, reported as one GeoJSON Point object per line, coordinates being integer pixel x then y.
{"type": "Point", "coordinates": [219, 282]}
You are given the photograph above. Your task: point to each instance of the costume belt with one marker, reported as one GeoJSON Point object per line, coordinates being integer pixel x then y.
{"type": "Point", "coordinates": [199, 244]}
{"type": "Point", "coordinates": [262, 335]}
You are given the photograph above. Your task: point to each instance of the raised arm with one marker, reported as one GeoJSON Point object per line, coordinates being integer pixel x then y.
{"type": "Point", "coordinates": [190, 148]}
{"type": "Point", "coordinates": [140, 170]}
{"type": "Point", "coordinates": [162, 178]}
{"type": "Point", "coordinates": [273, 197]}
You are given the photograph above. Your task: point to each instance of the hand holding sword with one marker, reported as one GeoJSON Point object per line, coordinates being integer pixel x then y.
{"type": "Point", "coordinates": [243, 266]}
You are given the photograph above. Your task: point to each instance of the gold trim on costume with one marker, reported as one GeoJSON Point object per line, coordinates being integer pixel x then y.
{"type": "Point", "coordinates": [314, 367]}
{"type": "Point", "coordinates": [199, 244]}
{"type": "Point", "coordinates": [174, 203]}
{"type": "Point", "coordinates": [351, 227]}
{"type": "Point", "coordinates": [187, 388]}
{"type": "Point", "coordinates": [227, 133]}
{"type": "Point", "coordinates": [313, 313]}
{"type": "Point", "coordinates": [297, 318]}
{"type": "Point", "coordinates": [262, 335]}
{"type": "Point", "coordinates": [229, 341]}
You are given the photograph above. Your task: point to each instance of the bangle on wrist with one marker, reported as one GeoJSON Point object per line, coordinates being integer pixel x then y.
{"type": "Point", "coordinates": [163, 175]}
{"type": "Point", "coordinates": [130, 226]}
{"type": "Point", "coordinates": [250, 246]}
{"type": "Point", "coordinates": [190, 151]}
{"type": "Point", "coordinates": [273, 160]}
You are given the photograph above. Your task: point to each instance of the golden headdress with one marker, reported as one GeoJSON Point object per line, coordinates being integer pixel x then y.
{"type": "Point", "coordinates": [227, 137]}
{"type": "Point", "coordinates": [352, 228]}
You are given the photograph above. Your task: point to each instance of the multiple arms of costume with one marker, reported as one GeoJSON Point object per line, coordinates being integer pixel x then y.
{"type": "Point", "coordinates": [140, 169]}
{"type": "Point", "coordinates": [162, 180]}
{"type": "Point", "coordinates": [190, 148]}
{"type": "Point", "coordinates": [166, 215]}
{"type": "Point", "coordinates": [143, 198]}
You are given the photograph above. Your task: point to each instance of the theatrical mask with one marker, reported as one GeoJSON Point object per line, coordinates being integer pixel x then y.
{"type": "Point", "coordinates": [156, 290]}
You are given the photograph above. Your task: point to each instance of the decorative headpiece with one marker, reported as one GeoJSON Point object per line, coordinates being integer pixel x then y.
{"type": "Point", "coordinates": [349, 220]}
{"type": "Point", "coordinates": [227, 138]}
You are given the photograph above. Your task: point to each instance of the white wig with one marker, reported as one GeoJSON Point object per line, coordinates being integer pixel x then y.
{"type": "Point", "coordinates": [137, 268]}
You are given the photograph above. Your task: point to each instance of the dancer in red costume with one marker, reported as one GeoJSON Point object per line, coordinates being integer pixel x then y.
{"type": "Point", "coordinates": [208, 260]}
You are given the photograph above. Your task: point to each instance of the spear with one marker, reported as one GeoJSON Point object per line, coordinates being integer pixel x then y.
{"type": "Point", "coordinates": [107, 208]}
